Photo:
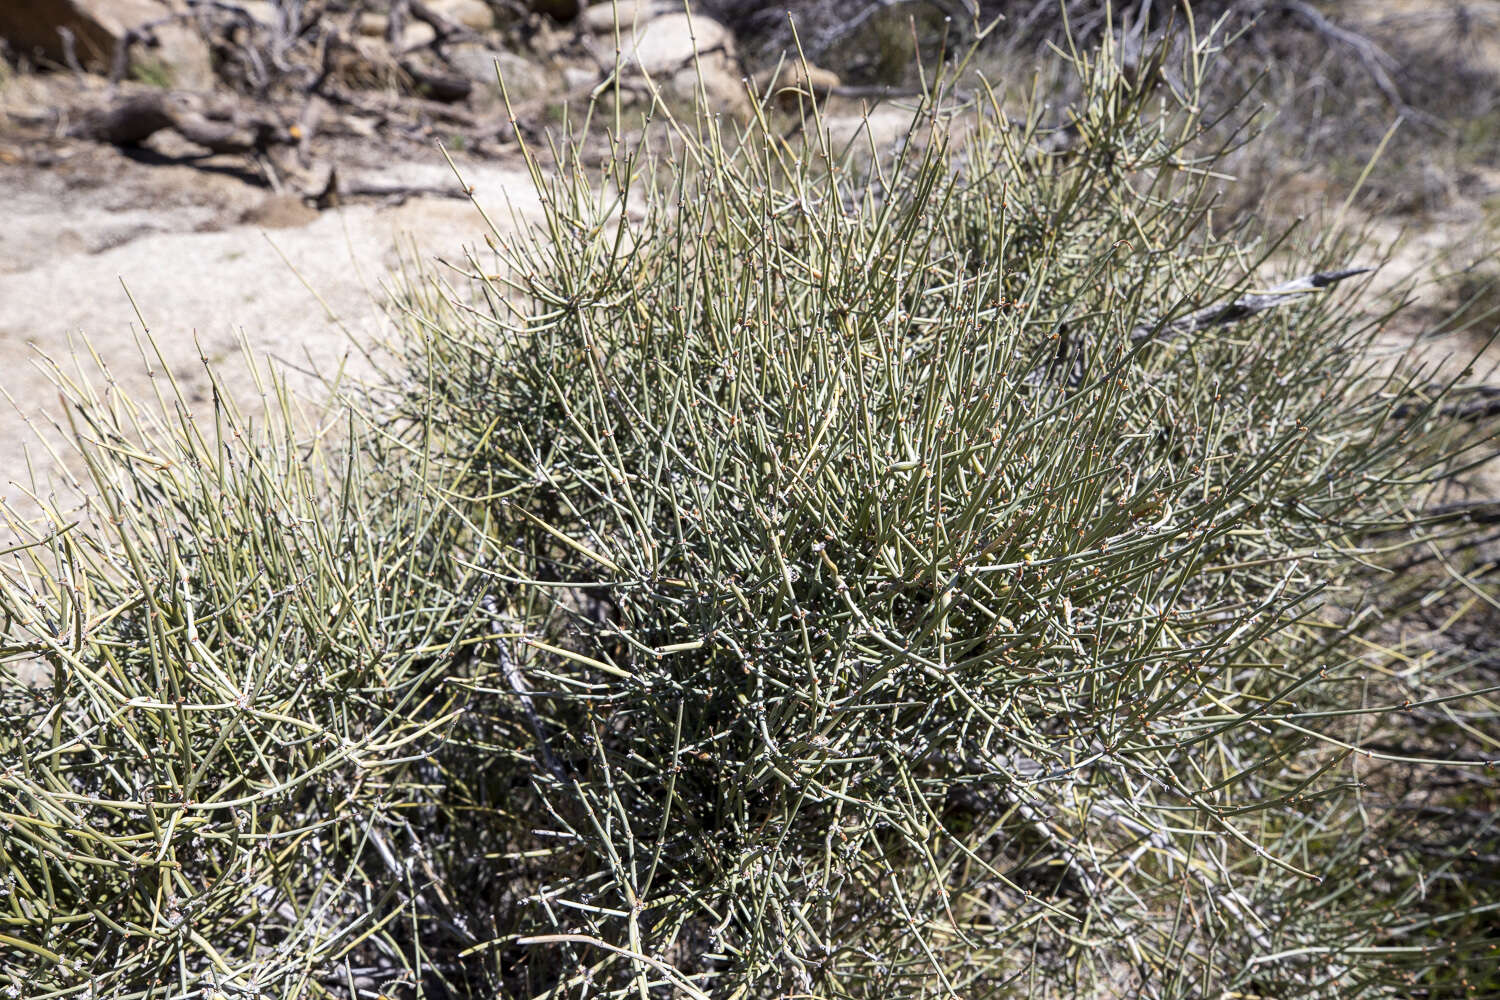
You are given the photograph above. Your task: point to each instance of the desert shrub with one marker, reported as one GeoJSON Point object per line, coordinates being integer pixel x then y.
{"type": "Point", "coordinates": [787, 569]}
{"type": "Point", "coordinates": [917, 577]}
{"type": "Point", "coordinates": [220, 681]}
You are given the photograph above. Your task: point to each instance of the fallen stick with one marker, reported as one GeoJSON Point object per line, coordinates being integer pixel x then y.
{"type": "Point", "coordinates": [1474, 402]}
{"type": "Point", "coordinates": [1069, 366]}
{"type": "Point", "coordinates": [136, 118]}
{"type": "Point", "coordinates": [1244, 306]}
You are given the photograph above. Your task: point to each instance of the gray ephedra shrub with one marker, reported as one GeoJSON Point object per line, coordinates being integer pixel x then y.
{"type": "Point", "coordinates": [216, 684]}
{"type": "Point", "coordinates": [789, 571]}
{"type": "Point", "coordinates": [907, 588]}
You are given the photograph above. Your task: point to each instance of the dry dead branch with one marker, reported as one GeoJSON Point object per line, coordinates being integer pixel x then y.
{"type": "Point", "coordinates": [1244, 306]}
{"type": "Point", "coordinates": [220, 129]}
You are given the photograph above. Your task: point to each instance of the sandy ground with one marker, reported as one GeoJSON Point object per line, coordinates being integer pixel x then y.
{"type": "Point", "coordinates": [209, 257]}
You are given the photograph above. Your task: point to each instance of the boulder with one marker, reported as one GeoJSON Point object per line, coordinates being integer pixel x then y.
{"type": "Point", "coordinates": [577, 78]}
{"type": "Point", "coordinates": [795, 81]}
{"type": "Point", "coordinates": [678, 51]}
{"type": "Point", "coordinates": [173, 52]}
{"type": "Point", "coordinates": [262, 12]}
{"type": "Point", "coordinates": [415, 35]}
{"type": "Point", "coordinates": [667, 42]}
{"type": "Point", "coordinates": [601, 17]}
{"type": "Point", "coordinates": [524, 78]}
{"type": "Point", "coordinates": [373, 25]}
{"type": "Point", "coordinates": [280, 211]}
{"type": "Point", "coordinates": [723, 87]}
{"type": "Point", "coordinates": [472, 14]}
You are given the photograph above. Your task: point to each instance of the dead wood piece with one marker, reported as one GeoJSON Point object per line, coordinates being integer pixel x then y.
{"type": "Point", "coordinates": [877, 92]}
{"type": "Point", "coordinates": [1069, 367]}
{"type": "Point", "coordinates": [70, 49]}
{"type": "Point", "coordinates": [228, 128]}
{"type": "Point", "coordinates": [1480, 512]}
{"type": "Point", "coordinates": [128, 122]}
{"type": "Point", "coordinates": [437, 85]}
{"type": "Point", "coordinates": [516, 680]}
{"type": "Point", "coordinates": [1375, 60]}
{"type": "Point", "coordinates": [409, 113]}
{"type": "Point", "coordinates": [1473, 402]}
{"type": "Point", "coordinates": [231, 136]}
{"type": "Point", "coordinates": [307, 126]}
{"type": "Point", "coordinates": [217, 127]}
{"type": "Point", "coordinates": [398, 193]}
{"type": "Point", "coordinates": [845, 27]}
{"type": "Point", "coordinates": [446, 29]}
{"type": "Point", "coordinates": [395, 22]}
{"type": "Point", "coordinates": [1244, 306]}
{"type": "Point", "coordinates": [398, 110]}
{"type": "Point", "coordinates": [1473, 511]}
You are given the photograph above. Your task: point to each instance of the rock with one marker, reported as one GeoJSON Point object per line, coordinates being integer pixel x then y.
{"type": "Point", "coordinates": [472, 14]}
{"type": "Point", "coordinates": [883, 126]}
{"type": "Point", "coordinates": [262, 12]}
{"type": "Point", "coordinates": [364, 127]}
{"type": "Point", "coordinates": [180, 58]}
{"type": "Point", "coordinates": [416, 35]}
{"type": "Point", "coordinates": [374, 25]}
{"type": "Point", "coordinates": [280, 211]}
{"type": "Point", "coordinates": [174, 55]}
{"type": "Point", "coordinates": [723, 88]}
{"type": "Point", "coordinates": [524, 78]}
{"type": "Point", "coordinates": [795, 81]}
{"type": "Point", "coordinates": [128, 122]}
{"type": "Point", "coordinates": [550, 40]}
{"type": "Point", "coordinates": [577, 78]}
{"type": "Point", "coordinates": [475, 62]}
{"type": "Point", "coordinates": [33, 25]}
{"type": "Point", "coordinates": [666, 43]}
{"type": "Point", "coordinates": [664, 47]}
{"type": "Point", "coordinates": [600, 18]}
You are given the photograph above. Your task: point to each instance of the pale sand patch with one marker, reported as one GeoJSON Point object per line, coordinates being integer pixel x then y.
{"type": "Point", "coordinates": [294, 294]}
